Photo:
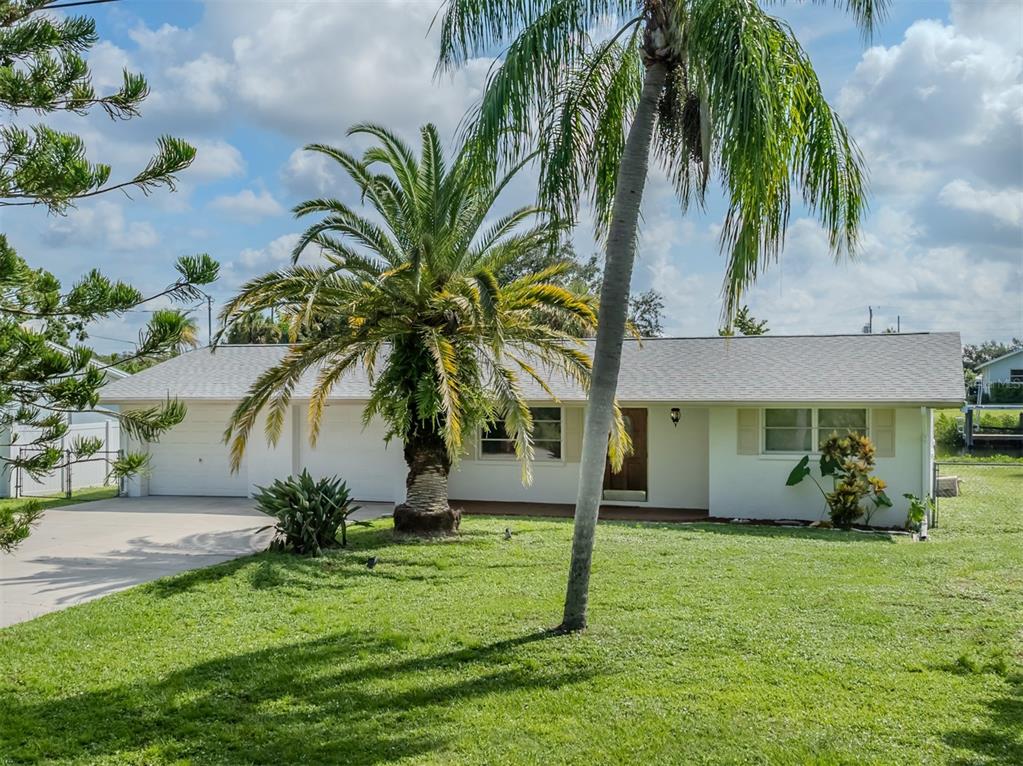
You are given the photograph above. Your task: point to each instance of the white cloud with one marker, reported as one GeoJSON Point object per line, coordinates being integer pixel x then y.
{"type": "Point", "coordinates": [309, 70]}
{"type": "Point", "coordinates": [100, 224]}
{"type": "Point", "coordinates": [998, 20]}
{"type": "Point", "coordinates": [929, 287]}
{"type": "Point", "coordinates": [163, 40]}
{"type": "Point", "coordinates": [309, 174]}
{"type": "Point", "coordinates": [940, 102]}
{"type": "Point", "coordinates": [107, 63]}
{"type": "Point", "coordinates": [273, 255]}
{"type": "Point", "coordinates": [939, 114]}
{"type": "Point", "coordinates": [1005, 206]}
{"type": "Point", "coordinates": [202, 83]}
{"type": "Point", "coordinates": [248, 205]}
{"type": "Point", "coordinates": [215, 159]}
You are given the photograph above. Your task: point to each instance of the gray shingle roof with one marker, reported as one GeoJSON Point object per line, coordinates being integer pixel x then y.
{"type": "Point", "coordinates": [911, 368]}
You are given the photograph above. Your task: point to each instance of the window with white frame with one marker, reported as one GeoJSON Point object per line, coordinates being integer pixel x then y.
{"type": "Point", "coordinates": [495, 441]}
{"type": "Point", "coordinates": [1016, 376]}
{"type": "Point", "coordinates": [802, 429]}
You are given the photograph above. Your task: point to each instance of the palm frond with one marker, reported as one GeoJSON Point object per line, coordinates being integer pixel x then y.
{"type": "Point", "coordinates": [425, 283]}
{"type": "Point", "coordinates": [583, 133]}
{"type": "Point", "coordinates": [770, 126]}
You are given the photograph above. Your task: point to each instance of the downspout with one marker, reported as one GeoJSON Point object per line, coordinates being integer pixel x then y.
{"type": "Point", "coordinates": [928, 490]}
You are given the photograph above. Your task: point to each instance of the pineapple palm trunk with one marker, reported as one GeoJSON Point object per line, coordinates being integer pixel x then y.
{"type": "Point", "coordinates": [426, 510]}
{"type": "Point", "coordinates": [614, 300]}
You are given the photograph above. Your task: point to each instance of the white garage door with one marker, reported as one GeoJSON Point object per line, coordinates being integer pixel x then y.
{"type": "Point", "coordinates": [357, 455]}
{"type": "Point", "coordinates": [191, 458]}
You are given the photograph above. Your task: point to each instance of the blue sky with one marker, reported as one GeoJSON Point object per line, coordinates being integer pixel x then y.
{"type": "Point", "coordinates": [935, 100]}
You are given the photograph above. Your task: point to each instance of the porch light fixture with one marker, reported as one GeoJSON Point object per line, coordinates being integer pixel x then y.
{"type": "Point", "coordinates": [676, 415]}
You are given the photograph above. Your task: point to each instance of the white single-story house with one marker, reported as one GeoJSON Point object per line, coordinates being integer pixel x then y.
{"type": "Point", "coordinates": [1007, 368]}
{"type": "Point", "coordinates": [717, 423]}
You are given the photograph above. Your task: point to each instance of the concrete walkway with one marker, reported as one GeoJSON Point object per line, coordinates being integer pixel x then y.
{"type": "Point", "coordinates": [81, 552]}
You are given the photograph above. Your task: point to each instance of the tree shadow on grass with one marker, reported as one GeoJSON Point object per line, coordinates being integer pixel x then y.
{"type": "Point", "coordinates": [354, 698]}
{"type": "Point", "coordinates": [284, 570]}
{"type": "Point", "coordinates": [1000, 740]}
{"type": "Point", "coordinates": [287, 572]}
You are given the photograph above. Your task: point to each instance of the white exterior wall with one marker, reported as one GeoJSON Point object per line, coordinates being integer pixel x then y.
{"type": "Point", "coordinates": [194, 448]}
{"type": "Point", "coordinates": [753, 486]}
{"type": "Point", "coordinates": [373, 469]}
{"type": "Point", "coordinates": [678, 458]}
{"type": "Point", "coordinates": [137, 485]}
{"type": "Point", "coordinates": [6, 472]}
{"type": "Point", "coordinates": [677, 471]}
{"type": "Point", "coordinates": [692, 466]}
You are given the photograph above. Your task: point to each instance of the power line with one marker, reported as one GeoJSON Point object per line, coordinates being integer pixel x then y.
{"type": "Point", "coordinates": [115, 340]}
{"type": "Point", "coordinates": [77, 3]}
{"type": "Point", "coordinates": [168, 308]}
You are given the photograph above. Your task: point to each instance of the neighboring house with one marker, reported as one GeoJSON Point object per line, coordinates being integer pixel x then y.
{"type": "Point", "coordinates": [1007, 368]}
{"type": "Point", "coordinates": [82, 424]}
{"type": "Point", "coordinates": [747, 409]}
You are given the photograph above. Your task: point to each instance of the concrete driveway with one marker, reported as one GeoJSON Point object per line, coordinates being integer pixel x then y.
{"type": "Point", "coordinates": [81, 552]}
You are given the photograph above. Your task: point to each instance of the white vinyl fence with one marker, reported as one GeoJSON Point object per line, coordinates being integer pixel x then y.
{"type": "Point", "coordinates": [91, 472]}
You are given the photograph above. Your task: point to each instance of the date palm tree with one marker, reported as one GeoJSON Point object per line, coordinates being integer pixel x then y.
{"type": "Point", "coordinates": [697, 85]}
{"type": "Point", "coordinates": [413, 299]}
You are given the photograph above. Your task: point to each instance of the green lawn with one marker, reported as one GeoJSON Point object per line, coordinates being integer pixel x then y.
{"type": "Point", "coordinates": [709, 644]}
{"type": "Point", "coordinates": [55, 501]}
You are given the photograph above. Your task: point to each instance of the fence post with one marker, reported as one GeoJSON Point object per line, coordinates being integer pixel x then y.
{"type": "Point", "coordinates": [106, 451]}
{"type": "Point", "coordinates": [67, 472]}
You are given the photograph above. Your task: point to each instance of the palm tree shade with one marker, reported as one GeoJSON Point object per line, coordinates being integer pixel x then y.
{"type": "Point", "coordinates": [703, 87]}
{"type": "Point", "coordinates": [409, 293]}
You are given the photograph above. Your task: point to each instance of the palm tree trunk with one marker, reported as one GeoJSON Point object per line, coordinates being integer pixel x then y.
{"type": "Point", "coordinates": [607, 355]}
{"type": "Point", "coordinates": [426, 510]}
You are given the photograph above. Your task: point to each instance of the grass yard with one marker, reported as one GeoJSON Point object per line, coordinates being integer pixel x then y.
{"type": "Point", "coordinates": [709, 644]}
{"type": "Point", "coordinates": [55, 501]}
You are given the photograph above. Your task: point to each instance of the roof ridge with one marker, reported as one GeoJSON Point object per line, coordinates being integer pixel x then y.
{"type": "Point", "coordinates": [769, 336]}
{"type": "Point", "coordinates": [652, 338]}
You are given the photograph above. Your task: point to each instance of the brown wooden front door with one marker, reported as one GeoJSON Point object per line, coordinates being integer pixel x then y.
{"type": "Point", "coordinates": [633, 476]}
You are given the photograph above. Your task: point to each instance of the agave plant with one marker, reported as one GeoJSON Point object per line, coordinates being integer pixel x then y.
{"type": "Point", "coordinates": [309, 512]}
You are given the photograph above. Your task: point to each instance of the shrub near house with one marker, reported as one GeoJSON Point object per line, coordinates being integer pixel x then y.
{"type": "Point", "coordinates": [855, 494]}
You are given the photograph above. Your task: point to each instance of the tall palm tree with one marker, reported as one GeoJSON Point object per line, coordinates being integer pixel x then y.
{"type": "Point", "coordinates": [256, 328]}
{"type": "Point", "coordinates": [701, 85]}
{"type": "Point", "coordinates": [180, 324]}
{"type": "Point", "coordinates": [414, 300]}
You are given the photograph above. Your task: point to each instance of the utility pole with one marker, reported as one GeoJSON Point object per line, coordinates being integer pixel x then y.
{"type": "Point", "coordinates": [868, 328]}
{"type": "Point", "coordinates": [898, 323]}
{"type": "Point", "coordinates": [209, 319]}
